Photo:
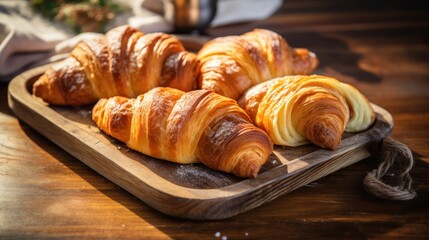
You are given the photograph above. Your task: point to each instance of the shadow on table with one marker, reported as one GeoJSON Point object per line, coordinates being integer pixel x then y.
{"type": "Point", "coordinates": [334, 54]}
{"type": "Point", "coordinates": [4, 108]}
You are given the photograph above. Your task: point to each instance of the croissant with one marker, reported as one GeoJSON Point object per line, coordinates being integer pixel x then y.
{"type": "Point", "coordinates": [197, 126]}
{"type": "Point", "coordinates": [124, 62]}
{"type": "Point", "coordinates": [230, 65]}
{"type": "Point", "coordinates": [296, 109]}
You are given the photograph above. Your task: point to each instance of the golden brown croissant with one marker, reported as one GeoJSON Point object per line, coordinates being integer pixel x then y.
{"type": "Point", "coordinates": [296, 109]}
{"type": "Point", "coordinates": [230, 65]}
{"type": "Point", "coordinates": [124, 62]}
{"type": "Point", "coordinates": [200, 125]}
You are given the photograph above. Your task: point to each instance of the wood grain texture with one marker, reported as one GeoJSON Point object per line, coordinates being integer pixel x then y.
{"type": "Point", "coordinates": [187, 191]}
{"type": "Point", "coordinates": [381, 47]}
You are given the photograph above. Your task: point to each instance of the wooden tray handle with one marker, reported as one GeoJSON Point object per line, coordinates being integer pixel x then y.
{"type": "Point", "coordinates": [391, 152]}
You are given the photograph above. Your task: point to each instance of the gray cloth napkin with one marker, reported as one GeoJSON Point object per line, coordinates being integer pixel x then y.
{"type": "Point", "coordinates": [28, 40]}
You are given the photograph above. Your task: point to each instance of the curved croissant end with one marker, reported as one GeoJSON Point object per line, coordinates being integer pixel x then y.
{"type": "Point", "coordinates": [295, 110]}
{"type": "Point", "coordinates": [230, 65]}
{"type": "Point", "coordinates": [124, 62]}
{"type": "Point", "coordinates": [198, 126]}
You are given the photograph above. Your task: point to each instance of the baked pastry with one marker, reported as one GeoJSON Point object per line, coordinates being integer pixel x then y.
{"type": "Point", "coordinates": [124, 62]}
{"type": "Point", "coordinates": [295, 110]}
{"type": "Point", "coordinates": [197, 126]}
{"type": "Point", "coordinates": [230, 65]}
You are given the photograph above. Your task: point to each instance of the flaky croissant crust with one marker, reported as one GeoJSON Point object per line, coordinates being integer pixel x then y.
{"type": "Point", "coordinates": [294, 110]}
{"type": "Point", "coordinates": [230, 65]}
{"type": "Point", "coordinates": [198, 126]}
{"type": "Point", "coordinates": [124, 62]}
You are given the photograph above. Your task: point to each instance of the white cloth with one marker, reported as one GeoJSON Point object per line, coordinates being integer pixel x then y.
{"type": "Point", "coordinates": [26, 39]}
{"type": "Point", "coordinates": [244, 10]}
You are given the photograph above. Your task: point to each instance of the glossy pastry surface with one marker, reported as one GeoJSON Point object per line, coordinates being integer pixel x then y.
{"type": "Point", "coordinates": [198, 126]}
{"type": "Point", "coordinates": [295, 110]}
{"type": "Point", "coordinates": [230, 65]}
{"type": "Point", "coordinates": [124, 62]}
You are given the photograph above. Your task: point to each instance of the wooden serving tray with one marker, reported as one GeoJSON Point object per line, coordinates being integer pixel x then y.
{"type": "Point", "coordinates": [188, 191]}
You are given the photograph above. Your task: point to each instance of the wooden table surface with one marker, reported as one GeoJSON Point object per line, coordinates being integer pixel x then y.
{"type": "Point", "coordinates": [381, 48]}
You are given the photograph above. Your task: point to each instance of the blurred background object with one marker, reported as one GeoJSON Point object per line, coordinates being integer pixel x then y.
{"type": "Point", "coordinates": [80, 15]}
{"type": "Point", "coordinates": [189, 15]}
{"type": "Point", "coordinates": [31, 32]}
{"type": "Point", "coordinates": [153, 15]}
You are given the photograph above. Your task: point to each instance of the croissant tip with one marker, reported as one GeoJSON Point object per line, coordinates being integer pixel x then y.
{"type": "Point", "coordinates": [253, 174]}
{"type": "Point", "coordinates": [329, 140]}
{"type": "Point", "coordinates": [251, 170]}
{"type": "Point", "coordinates": [314, 61]}
{"type": "Point", "coordinates": [42, 89]}
{"type": "Point", "coordinates": [38, 88]}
